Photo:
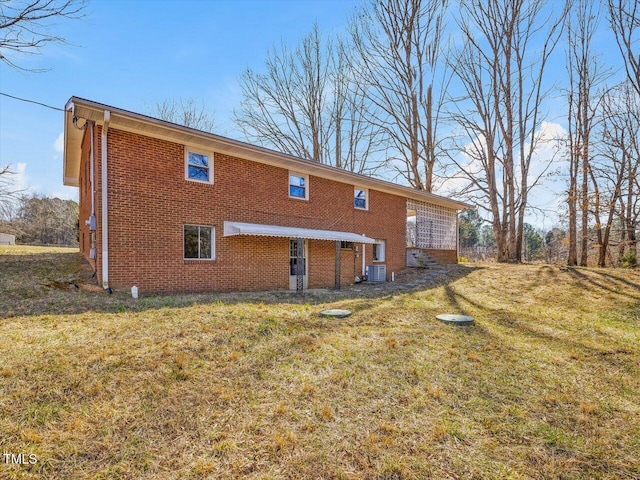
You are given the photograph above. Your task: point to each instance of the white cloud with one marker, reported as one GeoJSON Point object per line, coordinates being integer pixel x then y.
{"type": "Point", "coordinates": [20, 178]}
{"type": "Point", "coordinates": [58, 144]}
{"type": "Point", "coordinates": [546, 162]}
{"type": "Point", "coordinates": [551, 131]}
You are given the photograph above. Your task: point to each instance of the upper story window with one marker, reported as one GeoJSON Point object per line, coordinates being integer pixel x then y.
{"type": "Point", "coordinates": [199, 242]}
{"type": "Point", "coordinates": [298, 186]}
{"type": "Point", "coordinates": [198, 166]}
{"type": "Point", "coordinates": [361, 198]}
{"type": "Point", "coordinates": [379, 251]}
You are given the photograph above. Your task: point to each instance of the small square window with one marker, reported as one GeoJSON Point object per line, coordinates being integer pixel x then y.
{"type": "Point", "coordinates": [298, 186]}
{"type": "Point", "coordinates": [198, 166]}
{"type": "Point", "coordinates": [360, 198]}
{"type": "Point", "coordinates": [346, 245]}
{"type": "Point", "coordinates": [379, 251]}
{"type": "Point", "coordinates": [199, 242]}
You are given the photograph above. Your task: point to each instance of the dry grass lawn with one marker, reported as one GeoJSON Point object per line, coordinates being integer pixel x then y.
{"type": "Point", "coordinates": [546, 384]}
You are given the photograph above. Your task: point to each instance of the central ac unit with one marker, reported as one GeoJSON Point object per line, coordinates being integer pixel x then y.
{"type": "Point", "coordinates": [377, 273]}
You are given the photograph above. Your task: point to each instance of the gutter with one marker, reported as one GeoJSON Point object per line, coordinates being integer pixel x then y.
{"type": "Point", "coordinates": [105, 218]}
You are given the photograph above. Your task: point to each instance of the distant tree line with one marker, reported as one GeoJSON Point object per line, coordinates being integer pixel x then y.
{"type": "Point", "coordinates": [478, 243]}
{"type": "Point", "coordinates": [40, 220]}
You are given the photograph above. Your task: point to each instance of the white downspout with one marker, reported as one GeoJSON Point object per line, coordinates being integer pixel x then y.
{"type": "Point", "coordinates": [92, 218]}
{"type": "Point", "coordinates": [457, 236]}
{"type": "Point", "coordinates": [364, 270]}
{"type": "Point", "coordinates": [105, 218]}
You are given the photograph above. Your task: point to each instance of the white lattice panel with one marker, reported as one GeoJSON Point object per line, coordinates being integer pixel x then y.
{"type": "Point", "coordinates": [435, 226]}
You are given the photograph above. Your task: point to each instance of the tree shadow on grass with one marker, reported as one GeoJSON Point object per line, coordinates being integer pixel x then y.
{"type": "Point", "coordinates": [456, 298]}
{"type": "Point", "coordinates": [522, 323]}
{"type": "Point", "coordinates": [609, 283]}
{"type": "Point", "coordinates": [65, 284]}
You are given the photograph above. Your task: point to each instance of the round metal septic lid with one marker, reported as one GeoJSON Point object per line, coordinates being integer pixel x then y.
{"type": "Point", "coordinates": [455, 319]}
{"type": "Point", "coordinates": [337, 313]}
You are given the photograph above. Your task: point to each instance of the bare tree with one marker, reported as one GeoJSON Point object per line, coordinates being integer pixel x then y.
{"type": "Point", "coordinates": [305, 104]}
{"type": "Point", "coordinates": [499, 109]}
{"type": "Point", "coordinates": [629, 206]}
{"type": "Point", "coordinates": [46, 221]}
{"type": "Point", "coordinates": [25, 24]}
{"type": "Point", "coordinates": [189, 112]}
{"type": "Point", "coordinates": [357, 140]}
{"type": "Point", "coordinates": [615, 175]}
{"type": "Point", "coordinates": [624, 18]}
{"type": "Point", "coordinates": [285, 107]}
{"type": "Point", "coordinates": [9, 192]}
{"type": "Point", "coordinates": [584, 77]}
{"type": "Point", "coordinates": [399, 43]}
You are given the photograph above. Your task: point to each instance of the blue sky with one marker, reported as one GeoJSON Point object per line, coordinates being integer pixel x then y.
{"type": "Point", "coordinates": [132, 53]}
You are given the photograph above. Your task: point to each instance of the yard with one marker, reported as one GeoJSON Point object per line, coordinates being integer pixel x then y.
{"type": "Point", "coordinates": [546, 384]}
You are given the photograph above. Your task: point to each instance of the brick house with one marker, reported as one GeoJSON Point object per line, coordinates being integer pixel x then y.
{"type": "Point", "coordinates": [172, 209]}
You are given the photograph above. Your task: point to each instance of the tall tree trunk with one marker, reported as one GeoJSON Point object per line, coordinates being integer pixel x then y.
{"type": "Point", "coordinates": [584, 244]}
{"type": "Point", "coordinates": [430, 150]}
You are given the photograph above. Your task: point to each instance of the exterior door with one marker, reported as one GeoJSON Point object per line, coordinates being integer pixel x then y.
{"type": "Point", "coordinates": [293, 264]}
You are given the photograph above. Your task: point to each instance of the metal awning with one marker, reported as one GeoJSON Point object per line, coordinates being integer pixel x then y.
{"type": "Point", "coordinates": [237, 228]}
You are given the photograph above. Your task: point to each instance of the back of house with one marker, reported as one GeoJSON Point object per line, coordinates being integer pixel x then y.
{"type": "Point", "coordinates": [172, 209]}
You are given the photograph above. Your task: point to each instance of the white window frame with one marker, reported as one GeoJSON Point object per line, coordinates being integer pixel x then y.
{"type": "Point", "coordinates": [213, 242]}
{"type": "Point", "coordinates": [383, 257]}
{"type": "Point", "coordinates": [209, 155]}
{"type": "Point", "coordinates": [306, 185]}
{"type": "Point", "coordinates": [366, 198]}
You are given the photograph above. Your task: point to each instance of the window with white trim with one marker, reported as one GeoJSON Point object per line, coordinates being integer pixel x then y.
{"type": "Point", "coordinates": [199, 242]}
{"type": "Point", "coordinates": [379, 251]}
{"type": "Point", "coordinates": [298, 186]}
{"type": "Point", "coordinates": [198, 166]}
{"type": "Point", "coordinates": [361, 198]}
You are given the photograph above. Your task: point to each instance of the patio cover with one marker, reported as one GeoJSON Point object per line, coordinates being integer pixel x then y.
{"type": "Point", "coordinates": [237, 228]}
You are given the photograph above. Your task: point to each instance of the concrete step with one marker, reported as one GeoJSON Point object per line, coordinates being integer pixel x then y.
{"type": "Point", "coordinates": [424, 260]}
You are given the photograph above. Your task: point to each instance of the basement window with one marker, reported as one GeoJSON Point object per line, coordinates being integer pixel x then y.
{"type": "Point", "coordinates": [198, 166]}
{"type": "Point", "coordinates": [199, 242]}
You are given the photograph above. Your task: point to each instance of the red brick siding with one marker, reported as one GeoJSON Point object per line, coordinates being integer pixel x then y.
{"type": "Point", "coordinates": [442, 256]}
{"type": "Point", "coordinates": [150, 201]}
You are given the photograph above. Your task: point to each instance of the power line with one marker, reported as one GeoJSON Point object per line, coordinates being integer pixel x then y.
{"type": "Point", "coordinates": [32, 101]}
